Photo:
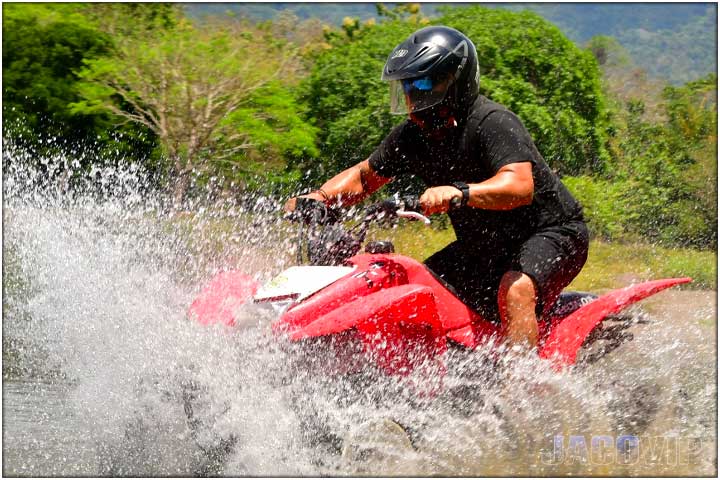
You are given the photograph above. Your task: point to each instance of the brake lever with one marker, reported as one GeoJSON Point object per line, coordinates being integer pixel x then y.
{"type": "Point", "coordinates": [455, 203]}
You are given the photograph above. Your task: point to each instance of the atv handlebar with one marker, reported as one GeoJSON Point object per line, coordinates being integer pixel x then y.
{"type": "Point", "coordinates": [311, 211]}
{"type": "Point", "coordinates": [325, 238]}
{"type": "Point", "coordinates": [405, 207]}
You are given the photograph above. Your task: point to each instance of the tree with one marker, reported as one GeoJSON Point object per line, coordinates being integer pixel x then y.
{"type": "Point", "coordinates": [345, 98]}
{"type": "Point", "coordinates": [409, 12]}
{"type": "Point", "coordinates": [193, 86]}
{"type": "Point", "coordinates": [132, 19]}
{"type": "Point", "coordinates": [608, 52]}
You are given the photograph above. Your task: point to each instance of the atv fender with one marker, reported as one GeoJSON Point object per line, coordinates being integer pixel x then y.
{"type": "Point", "coordinates": [398, 326]}
{"type": "Point", "coordinates": [222, 297]}
{"type": "Point", "coordinates": [566, 338]}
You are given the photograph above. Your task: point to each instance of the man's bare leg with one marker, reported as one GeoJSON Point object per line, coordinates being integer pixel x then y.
{"type": "Point", "coordinates": [517, 298]}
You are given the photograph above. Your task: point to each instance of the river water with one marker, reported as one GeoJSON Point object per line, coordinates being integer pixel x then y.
{"type": "Point", "coordinates": [103, 374]}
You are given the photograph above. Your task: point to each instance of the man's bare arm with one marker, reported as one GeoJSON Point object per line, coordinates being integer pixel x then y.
{"type": "Point", "coordinates": [511, 187]}
{"type": "Point", "coordinates": [348, 187]}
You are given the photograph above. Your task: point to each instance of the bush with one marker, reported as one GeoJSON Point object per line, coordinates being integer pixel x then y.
{"type": "Point", "coordinates": [603, 205]}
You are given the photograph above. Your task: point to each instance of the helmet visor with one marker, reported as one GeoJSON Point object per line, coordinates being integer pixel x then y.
{"type": "Point", "coordinates": [414, 94]}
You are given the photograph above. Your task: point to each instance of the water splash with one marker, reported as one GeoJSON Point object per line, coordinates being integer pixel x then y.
{"type": "Point", "coordinates": [98, 278]}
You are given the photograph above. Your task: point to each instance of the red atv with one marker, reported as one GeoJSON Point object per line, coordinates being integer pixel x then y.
{"type": "Point", "coordinates": [385, 308]}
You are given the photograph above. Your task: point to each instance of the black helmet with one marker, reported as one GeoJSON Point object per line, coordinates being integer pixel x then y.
{"type": "Point", "coordinates": [430, 63]}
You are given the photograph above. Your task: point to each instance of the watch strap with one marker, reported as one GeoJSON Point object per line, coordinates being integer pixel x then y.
{"type": "Point", "coordinates": [465, 189]}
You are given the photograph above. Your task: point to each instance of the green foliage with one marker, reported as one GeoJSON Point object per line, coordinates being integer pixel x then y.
{"type": "Point", "coordinates": [657, 161]}
{"type": "Point", "coordinates": [692, 133]}
{"type": "Point", "coordinates": [675, 42]}
{"type": "Point", "coordinates": [692, 110]}
{"type": "Point", "coordinates": [43, 47]}
{"type": "Point", "coordinates": [525, 64]}
{"type": "Point", "coordinates": [272, 120]}
{"type": "Point", "coordinates": [663, 184]}
{"type": "Point", "coordinates": [603, 204]}
{"type": "Point", "coordinates": [408, 12]}
{"type": "Point", "coordinates": [281, 141]}
{"type": "Point", "coordinates": [133, 19]}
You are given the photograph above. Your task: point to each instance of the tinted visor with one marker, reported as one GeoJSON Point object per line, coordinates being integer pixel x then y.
{"type": "Point", "coordinates": [415, 94]}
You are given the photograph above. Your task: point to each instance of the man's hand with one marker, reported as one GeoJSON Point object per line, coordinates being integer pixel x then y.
{"type": "Point", "coordinates": [292, 202]}
{"type": "Point", "coordinates": [437, 199]}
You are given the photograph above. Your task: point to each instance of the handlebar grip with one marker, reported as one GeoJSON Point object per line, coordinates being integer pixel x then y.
{"type": "Point", "coordinates": [390, 206]}
{"type": "Point", "coordinates": [411, 203]}
{"type": "Point", "coordinates": [311, 211]}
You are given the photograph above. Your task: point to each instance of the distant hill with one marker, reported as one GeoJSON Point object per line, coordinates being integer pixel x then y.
{"type": "Point", "coordinates": [680, 55]}
{"type": "Point", "coordinates": [674, 41]}
{"type": "Point", "coordinates": [332, 13]}
{"type": "Point", "coordinates": [581, 21]}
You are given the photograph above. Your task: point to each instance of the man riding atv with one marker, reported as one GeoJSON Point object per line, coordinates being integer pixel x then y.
{"type": "Point", "coordinates": [521, 237]}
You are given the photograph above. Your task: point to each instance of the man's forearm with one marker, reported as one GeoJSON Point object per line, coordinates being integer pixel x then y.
{"type": "Point", "coordinates": [350, 186]}
{"type": "Point", "coordinates": [345, 188]}
{"type": "Point", "coordinates": [505, 191]}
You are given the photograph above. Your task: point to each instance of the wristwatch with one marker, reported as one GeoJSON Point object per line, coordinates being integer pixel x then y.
{"type": "Point", "coordinates": [465, 189]}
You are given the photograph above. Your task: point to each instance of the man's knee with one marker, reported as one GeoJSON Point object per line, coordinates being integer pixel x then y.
{"type": "Point", "coordinates": [517, 288]}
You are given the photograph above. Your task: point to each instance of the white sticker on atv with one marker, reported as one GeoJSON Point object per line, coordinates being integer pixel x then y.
{"type": "Point", "coordinates": [300, 282]}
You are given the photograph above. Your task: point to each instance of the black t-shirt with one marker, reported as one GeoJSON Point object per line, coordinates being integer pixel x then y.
{"type": "Point", "coordinates": [472, 154]}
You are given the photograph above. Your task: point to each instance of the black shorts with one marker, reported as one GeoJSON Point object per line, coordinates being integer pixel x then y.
{"type": "Point", "coordinates": [552, 257]}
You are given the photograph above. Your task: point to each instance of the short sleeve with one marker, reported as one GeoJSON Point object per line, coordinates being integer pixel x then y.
{"type": "Point", "coordinates": [504, 140]}
{"type": "Point", "coordinates": [394, 155]}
